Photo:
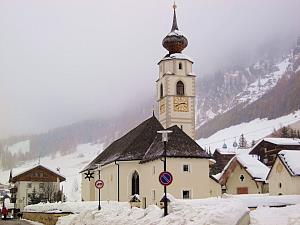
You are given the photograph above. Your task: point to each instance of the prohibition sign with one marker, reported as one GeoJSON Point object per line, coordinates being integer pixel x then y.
{"type": "Point", "coordinates": [99, 184]}
{"type": "Point", "coordinates": [165, 178]}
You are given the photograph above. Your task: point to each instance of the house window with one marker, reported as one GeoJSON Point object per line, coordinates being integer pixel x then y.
{"type": "Point", "coordinates": [29, 185]}
{"type": "Point", "coordinates": [280, 184]}
{"type": "Point", "coordinates": [186, 168]}
{"type": "Point", "coordinates": [180, 66]}
{"type": "Point", "coordinates": [161, 90]}
{"type": "Point", "coordinates": [180, 88]}
{"type": "Point", "coordinates": [186, 194]}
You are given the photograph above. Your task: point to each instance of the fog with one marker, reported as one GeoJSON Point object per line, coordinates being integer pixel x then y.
{"type": "Point", "coordinates": [63, 61]}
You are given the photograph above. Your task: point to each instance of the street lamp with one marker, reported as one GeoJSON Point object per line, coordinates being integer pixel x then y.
{"type": "Point", "coordinates": [164, 134]}
{"type": "Point", "coordinates": [99, 196]}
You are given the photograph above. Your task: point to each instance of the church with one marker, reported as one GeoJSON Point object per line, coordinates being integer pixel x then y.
{"type": "Point", "coordinates": [131, 165]}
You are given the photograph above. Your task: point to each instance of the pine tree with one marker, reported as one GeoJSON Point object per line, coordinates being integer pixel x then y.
{"type": "Point", "coordinates": [284, 132]}
{"type": "Point", "coordinates": [253, 143]}
{"type": "Point", "coordinates": [242, 141]}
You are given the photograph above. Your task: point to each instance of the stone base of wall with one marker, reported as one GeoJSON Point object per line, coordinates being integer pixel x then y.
{"type": "Point", "coordinates": [45, 218]}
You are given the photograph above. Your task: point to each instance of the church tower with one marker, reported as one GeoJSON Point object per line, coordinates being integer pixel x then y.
{"type": "Point", "coordinates": [176, 84]}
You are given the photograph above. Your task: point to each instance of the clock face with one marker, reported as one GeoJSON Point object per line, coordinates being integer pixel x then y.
{"type": "Point", "coordinates": [181, 104]}
{"type": "Point", "coordinates": [162, 106]}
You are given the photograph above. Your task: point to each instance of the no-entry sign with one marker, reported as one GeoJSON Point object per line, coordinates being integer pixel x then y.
{"type": "Point", "coordinates": [99, 184]}
{"type": "Point", "coordinates": [165, 178]}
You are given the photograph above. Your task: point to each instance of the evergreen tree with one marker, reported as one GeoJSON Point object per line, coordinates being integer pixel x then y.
{"type": "Point", "coordinates": [242, 141]}
{"type": "Point", "coordinates": [284, 132]}
{"type": "Point", "coordinates": [253, 143]}
{"type": "Point", "coordinates": [34, 197]}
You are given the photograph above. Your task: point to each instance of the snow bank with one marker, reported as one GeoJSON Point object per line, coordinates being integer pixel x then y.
{"type": "Point", "coordinates": [289, 215]}
{"type": "Point", "coordinates": [256, 200]}
{"type": "Point", "coordinates": [203, 211]}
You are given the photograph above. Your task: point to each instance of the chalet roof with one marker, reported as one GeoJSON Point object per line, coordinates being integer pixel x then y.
{"type": "Point", "coordinates": [277, 141]}
{"type": "Point", "coordinates": [256, 169]}
{"type": "Point", "coordinates": [291, 160]}
{"type": "Point", "coordinates": [179, 145]}
{"type": "Point", "coordinates": [132, 146]}
{"type": "Point", "coordinates": [18, 172]}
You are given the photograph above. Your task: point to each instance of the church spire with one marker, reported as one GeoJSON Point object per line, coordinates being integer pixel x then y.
{"type": "Point", "coordinates": [174, 25]}
{"type": "Point", "coordinates": [175, 41]}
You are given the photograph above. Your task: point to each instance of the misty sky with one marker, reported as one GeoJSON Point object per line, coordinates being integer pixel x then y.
{"type": "Point", "coordinates": [62, 61]}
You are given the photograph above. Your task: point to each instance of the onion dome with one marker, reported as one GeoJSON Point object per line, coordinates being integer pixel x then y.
{"type": "Point", "coordinates": [175, 41]}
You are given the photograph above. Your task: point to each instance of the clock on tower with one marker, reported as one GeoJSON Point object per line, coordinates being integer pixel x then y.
{"type": "Point", "coordinates": [176, 83]}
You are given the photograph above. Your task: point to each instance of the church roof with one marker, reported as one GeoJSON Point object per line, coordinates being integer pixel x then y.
{"type": "Point", "coordinates": [179, 145]}
{"type": "Point", "coordinates": [144, 143]}
{"type": "Point", "coordinates": [132, 146]}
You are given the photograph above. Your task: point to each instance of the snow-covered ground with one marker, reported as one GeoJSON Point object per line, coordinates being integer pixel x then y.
{"type": "Point", "coordinates": [289, 215]}
{"type": "Point", "coordinates": [217, 211]}
{"type": "Point", "coordinates": [253, 130]}
{"type": "Point", "coordinates": [69, 165]}
{"type": "Point", "coordinates": [213, 211]}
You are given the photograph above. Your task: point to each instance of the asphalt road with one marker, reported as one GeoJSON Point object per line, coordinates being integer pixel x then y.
{"type": "Point", "coordinates": [14, 222]}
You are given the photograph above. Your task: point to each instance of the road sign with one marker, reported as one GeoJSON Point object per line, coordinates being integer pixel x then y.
{"type": "Point", "coordinates": [99, 184]}
{"type": "Point", "coordinates": [165, 178]}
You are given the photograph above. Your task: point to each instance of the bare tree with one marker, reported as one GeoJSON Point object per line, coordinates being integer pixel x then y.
{"type": "Point", "coordinates": [49, 191]}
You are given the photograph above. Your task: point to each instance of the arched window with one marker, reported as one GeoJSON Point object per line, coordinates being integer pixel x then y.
{"type": "Point", "coordinates": [180, 66]}
{"type": "Point", "coordinates": [135, 183]}
{"type": "Point", "coordinates": [161, 91]}
{"type": "Point", "coordinates": [180, 88]}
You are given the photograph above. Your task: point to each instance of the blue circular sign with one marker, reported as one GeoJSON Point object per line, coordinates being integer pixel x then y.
{"type": "Point", "coordinates": [165, 178]}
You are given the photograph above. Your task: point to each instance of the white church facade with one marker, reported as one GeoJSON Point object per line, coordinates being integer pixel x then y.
{"type": "Point", "coordinates": [132, 164]}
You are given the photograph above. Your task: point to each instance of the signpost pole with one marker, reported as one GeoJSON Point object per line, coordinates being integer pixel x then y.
{"type": "Point", "coordinates": [99, 193]}
{"type": "Point", "coordinates": [165, 187]}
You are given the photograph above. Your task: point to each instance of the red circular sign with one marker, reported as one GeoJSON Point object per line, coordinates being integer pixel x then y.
{"type": "Point", "coordinates": [99, 184]}
{"type": "Point", "coordinates": [165, 178]}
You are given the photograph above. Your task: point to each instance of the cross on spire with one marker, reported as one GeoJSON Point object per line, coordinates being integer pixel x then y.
{"type": "Point", "coordinates": [174, 25]}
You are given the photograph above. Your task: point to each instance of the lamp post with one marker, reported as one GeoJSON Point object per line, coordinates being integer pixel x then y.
{"type": "Point", "coordinates": [99, 196]}
{"type": "Point", "coordinates": [164, 134]}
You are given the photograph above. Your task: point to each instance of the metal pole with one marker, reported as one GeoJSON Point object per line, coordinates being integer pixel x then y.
{"type": "Point", "coordinates": [99, 206]}
{"type": "Point", "coordinates": [165, 187]}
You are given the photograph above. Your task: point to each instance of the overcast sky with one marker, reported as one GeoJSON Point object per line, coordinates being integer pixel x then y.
{"type": "Point", "coordinates": [62, 61]}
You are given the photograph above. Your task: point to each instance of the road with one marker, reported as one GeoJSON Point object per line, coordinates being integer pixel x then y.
{"type": "Point", "coordinates": [14, 222]}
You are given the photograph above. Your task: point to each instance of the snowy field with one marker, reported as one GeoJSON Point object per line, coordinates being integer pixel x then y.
{"type": "Point", "coordinates": [210, 211]}
{"type": "Point", "coordinates": [253, 130]}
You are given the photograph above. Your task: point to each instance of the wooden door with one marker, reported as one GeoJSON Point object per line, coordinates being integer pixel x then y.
{"type": "Point", "coordinates": [242, 190]}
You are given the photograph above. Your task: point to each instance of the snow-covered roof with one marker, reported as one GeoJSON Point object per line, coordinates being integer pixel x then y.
{"type": "Point", "coordinates": [254, 167]}
{"type": "Point", "coordinates": [251, 164]}
{"type": "Point", "coordinates": [283, 141]}
{"type": "Point", "coordinates": [175, 33]}
{"type": "Point", "coordinates": [229, 151]}
{"type": "Point", "coordinates": [16, 172]}
{"type": "Point", "coordinates": [291, 159]}
{"type": "Point", "coordinates": [177, 56]}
